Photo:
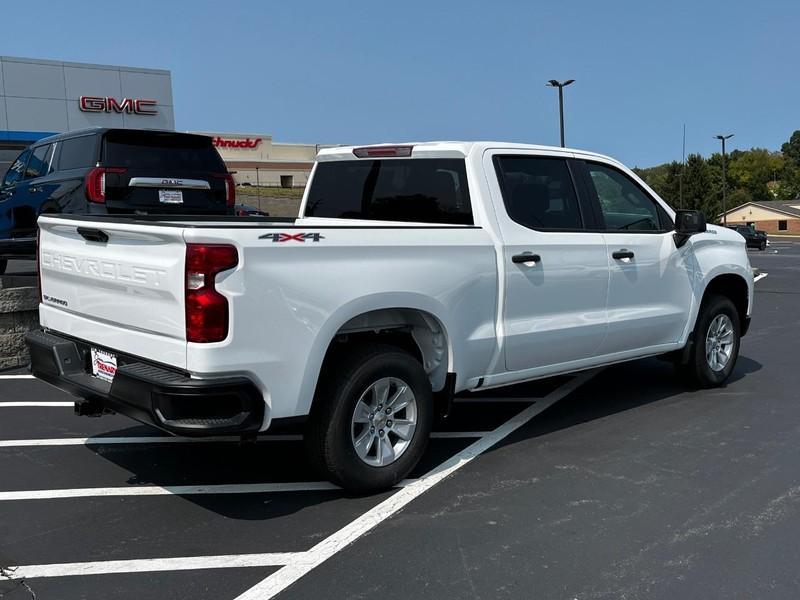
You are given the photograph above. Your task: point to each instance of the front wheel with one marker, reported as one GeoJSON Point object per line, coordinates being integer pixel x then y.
{"type": "Point", "coordinates": [716, 342]}
{"type": "Point", "coordinates": [371, 419]}
{"type": "Point", "coordinates": [763, 246]}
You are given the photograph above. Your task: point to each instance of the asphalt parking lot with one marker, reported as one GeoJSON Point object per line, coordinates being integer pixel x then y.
{"type": "Point", "coordinates": [618, 484]}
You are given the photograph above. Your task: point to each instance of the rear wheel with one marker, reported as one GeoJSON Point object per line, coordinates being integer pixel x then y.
{"type": "Point", "coordinates": [716, 342]}
{"type": "Point", "coordinates": [371, 419]}
{"type": "Point", "coordinates": [763, 246]}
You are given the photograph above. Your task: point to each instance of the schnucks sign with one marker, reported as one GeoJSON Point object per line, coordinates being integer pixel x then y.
{"type": "Point", "coordinates": [108, 104]}
{"type": "Point", "coordinates": [250, 143]}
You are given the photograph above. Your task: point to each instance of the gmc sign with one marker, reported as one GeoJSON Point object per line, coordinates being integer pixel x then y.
{"type": "Point", "coordinates": [126, 105]}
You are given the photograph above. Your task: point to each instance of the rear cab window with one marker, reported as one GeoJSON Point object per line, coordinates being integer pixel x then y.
{"type": "Point", "coordinates": [417, 190]}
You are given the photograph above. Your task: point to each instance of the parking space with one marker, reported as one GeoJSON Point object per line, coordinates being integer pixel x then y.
{"type": "Point", "coordinates": [623, 483]}
{"type": "Point", "coordinates": [95, 503]}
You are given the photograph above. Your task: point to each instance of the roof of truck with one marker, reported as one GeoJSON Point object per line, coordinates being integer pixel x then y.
{"type": "Point", "coordinates": [444, 149]}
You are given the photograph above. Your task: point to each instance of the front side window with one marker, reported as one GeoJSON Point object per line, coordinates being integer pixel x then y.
{"type": "Point", "coordinates": [538, 192]}
{"type": "Point", "coordinates": [417, 190]}
{"type": "Point", "coordinates": [17, 169]}
{"type": "Point", "coordinates": [39, 162]}
{"type": "Point", "coordinates": [624, 205]}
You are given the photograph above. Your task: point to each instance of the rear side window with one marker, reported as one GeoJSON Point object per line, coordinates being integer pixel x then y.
{"type": "Point", "coordinates": [538, 192]}
{"type": "Point", "coordinates": [420, 190]}
{"type": "Point", "coordinates": [161, 152]}
{"type": "Point", "coordinates": [77, 153]}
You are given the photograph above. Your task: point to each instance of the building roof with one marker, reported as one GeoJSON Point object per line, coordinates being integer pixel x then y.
{"type": "Point", "coordinates": [791, 208]}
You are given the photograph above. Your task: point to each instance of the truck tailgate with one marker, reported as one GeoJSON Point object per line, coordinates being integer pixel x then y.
{"type": "Point", "coordinates": [118, 285]}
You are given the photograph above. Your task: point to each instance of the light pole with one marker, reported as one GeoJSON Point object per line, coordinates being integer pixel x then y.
{"type": "Point", "coordinates": [560, 85]}
{"type": "Point", "coordinates": [722, 138]}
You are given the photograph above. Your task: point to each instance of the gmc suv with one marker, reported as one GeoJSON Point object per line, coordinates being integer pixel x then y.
{"type": "Point", "coordinates": [102, 171]}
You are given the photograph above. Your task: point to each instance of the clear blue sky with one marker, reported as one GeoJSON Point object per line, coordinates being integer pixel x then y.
{"type": "Point", "coordinates": [358, 72]}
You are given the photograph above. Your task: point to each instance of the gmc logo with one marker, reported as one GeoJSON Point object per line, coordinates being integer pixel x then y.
{"type": "Point", "coordinates": [126, 105]}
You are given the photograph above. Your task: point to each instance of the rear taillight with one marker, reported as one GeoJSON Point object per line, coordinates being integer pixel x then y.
{"type": "Point", "coordinates": [95, 183]}
{"type": "Point", "coordinates": [230, 188]}
{"type": "Point", "coordinates": [206, 308]}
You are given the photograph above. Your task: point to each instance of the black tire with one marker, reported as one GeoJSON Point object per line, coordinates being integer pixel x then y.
{"type": "Point", "coordinates": [763, 246]}
{"type": "Point", "coordinates": [328, 434]}
{"type": "Point", "coordinates": [697, 367]}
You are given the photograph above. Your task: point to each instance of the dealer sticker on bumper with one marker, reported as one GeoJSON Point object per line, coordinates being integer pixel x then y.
{"type": "Point", "coordinates": [104, 364]}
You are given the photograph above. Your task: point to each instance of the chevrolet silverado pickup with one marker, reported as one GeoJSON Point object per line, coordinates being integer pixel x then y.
{"type": "Point", "coordinates": [412, 273]}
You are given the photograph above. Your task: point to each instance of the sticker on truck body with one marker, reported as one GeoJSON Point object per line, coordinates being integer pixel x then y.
{"type": "Point", "coordinates": [292, 237]}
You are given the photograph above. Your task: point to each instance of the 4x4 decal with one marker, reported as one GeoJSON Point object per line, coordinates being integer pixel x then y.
{"type": "Point", "coordinates": [292, 237]}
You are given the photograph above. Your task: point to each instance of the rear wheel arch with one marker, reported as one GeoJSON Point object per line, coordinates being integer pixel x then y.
{"type": "Point", "coordinates": [415, 331]}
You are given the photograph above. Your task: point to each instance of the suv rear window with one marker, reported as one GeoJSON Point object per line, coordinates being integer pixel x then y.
{"type": "Point", "coordinates": [420, 190]}
{"type": "Point", "coordinates": [162, 151]}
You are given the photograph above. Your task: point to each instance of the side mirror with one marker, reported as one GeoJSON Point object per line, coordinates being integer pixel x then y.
{"type": "Point", "coordinates": [687, 223]}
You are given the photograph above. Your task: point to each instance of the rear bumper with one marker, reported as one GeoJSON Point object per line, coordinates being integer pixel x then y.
{"type": "Point", "coordinates": [18, 248]}
{"type": "Point", "coordinates": [149, 393]}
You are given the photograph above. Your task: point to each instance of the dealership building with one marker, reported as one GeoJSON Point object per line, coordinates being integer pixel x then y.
{"type": "Point", "coordinates": [42, 97]}
{"type": "Point", "coordinates": [255, 159]}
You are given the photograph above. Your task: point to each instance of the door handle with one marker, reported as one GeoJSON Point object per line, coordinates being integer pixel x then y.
{"type": "Point", "coordinates": [93, 235]}
{"type": "Point", "coordinates": [526, 257]}
{"type": "Point", "coordinates": [34, 190]}
{"type": "Point", "coordinates": [622, 254]}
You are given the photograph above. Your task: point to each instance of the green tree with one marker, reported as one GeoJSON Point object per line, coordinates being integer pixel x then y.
{"type": "Point", "coordinates": [754, 170]}
{"type": "Point", "coordinates": [791, 149]}
{"type": "Point", "coordinates": [697, 187]}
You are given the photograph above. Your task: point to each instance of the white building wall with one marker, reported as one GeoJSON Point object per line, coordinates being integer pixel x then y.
{"type": "Point", "coordinates": [42, 96]}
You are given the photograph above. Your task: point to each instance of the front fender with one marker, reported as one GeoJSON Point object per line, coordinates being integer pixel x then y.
{"type": "Point", "coordinates": [718, 251]}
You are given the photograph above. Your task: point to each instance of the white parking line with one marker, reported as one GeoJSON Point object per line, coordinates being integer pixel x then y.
{"type": "Point", "coordinates": [168, 439]}
{"type": "Point", "coordinates": [301, 564]}
{"type": "Point", "coordinates": [176, 490]}
{"type": "Point", "coordinates": [294, 564]}
{"type": "Point", "coordinates": [20, 376]}
{"type": "Point", "coordinates": [151, 565]}
{"type": "Point", "coordinates": [15, 404]}
{"type": "Point", "coordinates": [760, 276]}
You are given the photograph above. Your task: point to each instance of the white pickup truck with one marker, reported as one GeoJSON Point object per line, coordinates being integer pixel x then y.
{"type": "Point", "coordinates": [413, 272]}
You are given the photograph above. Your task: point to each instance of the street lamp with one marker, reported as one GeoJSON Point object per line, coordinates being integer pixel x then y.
{"type": "Point", "coordinates": [560, 86]}
{"type": "Point", "coordinates": [722, 138]}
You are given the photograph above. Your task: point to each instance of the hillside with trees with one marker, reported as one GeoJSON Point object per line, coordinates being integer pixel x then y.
{"type": "Point", "coordinates": [757, 174]}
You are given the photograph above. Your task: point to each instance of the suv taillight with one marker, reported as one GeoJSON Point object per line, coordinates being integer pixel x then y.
{"type": "Point", "coordinates": [95, 183]}
{"type": "Point", "coordinates": [206, 308]}
{"type": "Point", "coordinates": [230, 188]}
